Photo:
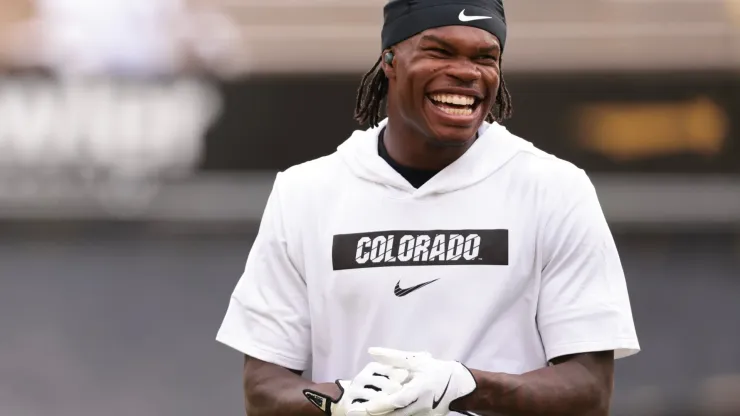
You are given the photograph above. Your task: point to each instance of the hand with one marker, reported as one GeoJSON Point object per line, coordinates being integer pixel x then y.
{"type": "Point", "coordinates": [374, 381]}
{"type": "Point", "coordinates": [433, 386]}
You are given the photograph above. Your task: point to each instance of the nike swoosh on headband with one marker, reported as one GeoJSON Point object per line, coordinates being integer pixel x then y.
{"type": "Point", "coordinates": [464, 18]}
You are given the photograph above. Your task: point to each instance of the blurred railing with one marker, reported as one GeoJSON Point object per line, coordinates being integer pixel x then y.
{"type": "Point", "coordinates": [665, 156]}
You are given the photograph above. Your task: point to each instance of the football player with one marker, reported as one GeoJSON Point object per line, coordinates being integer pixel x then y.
{"type": "Point", "coordinates": [436, 262]}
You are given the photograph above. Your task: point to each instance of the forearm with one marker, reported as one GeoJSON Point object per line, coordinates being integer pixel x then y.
{"type": "Point", "coordinates": [568, 389]}
{"type": "Point", "coordinates": [270, 390]}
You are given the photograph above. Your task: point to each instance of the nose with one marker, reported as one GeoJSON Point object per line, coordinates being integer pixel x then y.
{"type": "Point", "coordinates": [464, 71]}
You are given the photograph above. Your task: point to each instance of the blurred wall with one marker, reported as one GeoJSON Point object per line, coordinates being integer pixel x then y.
{"type": "Point", "coordinates": [122, 321]}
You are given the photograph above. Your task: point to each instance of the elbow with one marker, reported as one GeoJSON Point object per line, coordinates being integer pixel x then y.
{"type": "Point", "coordinates": [254, 396]}
{"type": "Point", "coordinates": [603, 403]}
{"type": "Point", "coordinates": [599, 384]}
{"type": "Point", "coordinates": [253, 400]}
{"type": "Point", "coordinates": [599, 400]}
{"type": "Point", "coordinates": [251, 410]}
{"type": "Point", "coordinates": [249, 399]}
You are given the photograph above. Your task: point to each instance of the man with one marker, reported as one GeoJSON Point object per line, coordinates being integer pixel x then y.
{"type": "Point", "coordinates": [482, 267]}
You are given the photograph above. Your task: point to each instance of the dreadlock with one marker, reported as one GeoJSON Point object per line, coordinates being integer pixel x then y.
{"type": "Point", "coordinates": [374, 89]}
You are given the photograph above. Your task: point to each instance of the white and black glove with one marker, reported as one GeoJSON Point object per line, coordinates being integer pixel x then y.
{"type": "Point", "coordinates": [373, 382]}
{"type": "Point", "coordinates": [432, 386]}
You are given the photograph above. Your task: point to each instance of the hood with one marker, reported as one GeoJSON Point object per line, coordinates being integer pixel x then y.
{"type": "Point", "coordinates": [494, 147]}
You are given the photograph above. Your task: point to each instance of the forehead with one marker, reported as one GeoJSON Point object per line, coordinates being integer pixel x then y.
{"type": "Point", "coordinates": [459, 37]}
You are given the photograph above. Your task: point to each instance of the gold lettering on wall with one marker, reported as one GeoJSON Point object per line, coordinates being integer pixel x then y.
{"type": "Point", "coordinates": [635, 131]}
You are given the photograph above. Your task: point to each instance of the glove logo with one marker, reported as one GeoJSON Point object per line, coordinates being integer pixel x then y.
{"type": "Point", "coordinates": [317, 400]}
{"type": "Point", "coordinates": [436, 402]}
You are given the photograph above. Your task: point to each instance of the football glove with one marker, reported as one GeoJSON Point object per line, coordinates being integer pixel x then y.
{"type": "Point", "coordinates": [374, 381]}
{"type": "Point", "coordinates": [433, 384]}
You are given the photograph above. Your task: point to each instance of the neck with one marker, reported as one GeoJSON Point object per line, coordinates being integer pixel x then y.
{"type": "Point", "coordinates": [410, 148]}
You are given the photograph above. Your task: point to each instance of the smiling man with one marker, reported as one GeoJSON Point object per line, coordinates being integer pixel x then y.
{"type": "Point", "coordinates": [480, 268]}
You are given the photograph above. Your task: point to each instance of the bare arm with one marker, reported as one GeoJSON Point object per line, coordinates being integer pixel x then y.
{"type": "Point", "coordinates": [576, 385]}
{"type": "Point", "coordinates": [271, 390]}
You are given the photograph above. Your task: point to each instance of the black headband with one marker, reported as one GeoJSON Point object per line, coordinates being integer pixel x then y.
{"type": "Point", "coordinates": [406, 18]}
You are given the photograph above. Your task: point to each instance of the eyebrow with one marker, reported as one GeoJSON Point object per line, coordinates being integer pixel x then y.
{"type": "Point", "coordinates": [488, 49]}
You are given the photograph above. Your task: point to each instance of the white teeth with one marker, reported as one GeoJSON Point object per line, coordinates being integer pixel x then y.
{"type": "Point", "coordinates": [457, 111]}
{"type": "Point", "coordinates": [454, 99]}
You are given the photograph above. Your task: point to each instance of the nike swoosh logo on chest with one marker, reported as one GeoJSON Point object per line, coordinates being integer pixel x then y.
{"type": "Point", "coordinates": [403, 292]}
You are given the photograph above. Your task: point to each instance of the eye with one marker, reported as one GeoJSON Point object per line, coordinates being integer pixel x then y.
{"type": "Point", "coordinates": [488, 59]}
{"type": "Point", "coordinates": [438, 51]}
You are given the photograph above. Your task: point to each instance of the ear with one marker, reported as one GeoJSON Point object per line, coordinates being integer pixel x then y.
{"type": "Point", "coordinates": [387, 62]}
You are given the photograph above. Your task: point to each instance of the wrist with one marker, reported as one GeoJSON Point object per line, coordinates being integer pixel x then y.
{"type": "Point", "coordinates": [467, 384]}
{"type": "Point", "coordinates": [331, 390]}
{"type": "Point", "coordinates": [324, 396]}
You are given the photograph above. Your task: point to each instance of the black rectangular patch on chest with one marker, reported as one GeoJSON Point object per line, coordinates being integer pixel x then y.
{"type": "Point", "coordinates": [420, 248]}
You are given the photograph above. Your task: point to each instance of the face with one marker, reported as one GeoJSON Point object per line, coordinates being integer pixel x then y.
{"type": "Point", "coordinates": [444, 81]}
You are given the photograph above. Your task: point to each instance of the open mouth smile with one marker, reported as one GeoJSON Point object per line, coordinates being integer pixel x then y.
{"type": "Point", "coordinates": [462, 106]}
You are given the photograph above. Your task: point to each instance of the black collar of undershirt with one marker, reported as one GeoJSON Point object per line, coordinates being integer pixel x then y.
{"type": "Point", "coordinates": [416, 177]}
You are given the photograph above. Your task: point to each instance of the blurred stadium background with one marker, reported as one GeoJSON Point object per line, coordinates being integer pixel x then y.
{"type": "Point", "coordinates": [139, 140]}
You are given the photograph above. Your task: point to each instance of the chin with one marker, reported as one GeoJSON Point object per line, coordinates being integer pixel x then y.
{"type": "Point", "coordinates": [446, 137]}
{"type": "Point", "coordinates": [453, 130]}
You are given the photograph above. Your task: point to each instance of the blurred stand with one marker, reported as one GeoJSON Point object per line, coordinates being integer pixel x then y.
{"type": "Point", "coordinates": [123, 38]}
{"type": "Point", "coordinates": [139, 140]}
